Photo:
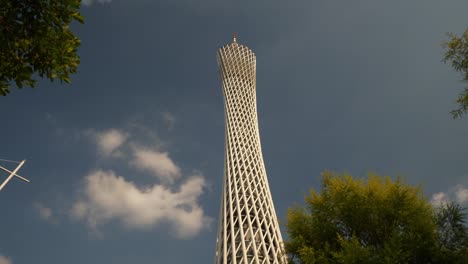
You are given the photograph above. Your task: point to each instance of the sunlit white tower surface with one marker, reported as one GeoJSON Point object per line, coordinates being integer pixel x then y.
{"type": "Point", "coordinates": [248, 230]}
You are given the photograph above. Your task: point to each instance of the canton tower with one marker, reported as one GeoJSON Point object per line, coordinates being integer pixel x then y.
{"type": "Point", "coordinates": [248, 230]}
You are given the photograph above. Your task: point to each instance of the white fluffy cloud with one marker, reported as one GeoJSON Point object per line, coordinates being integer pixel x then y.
{"type": "Point", "coordinates": [158, 163]}
{"type": "Point", "coordinates": [5, 260]}
{"type": "Point", "coordinates": [90, 2]}
{"type": "Point", "coordinates": [44, 212]}
{"type": "Point", "coordinates": [114, 143]}
{"type": "Point", "coordinates": [459, 194]}
{"type": "Point", "coordinates": [462, 194]}
{"type": "Point", "coordinates": [439, 198]}
{"type": "Point", "coordinates": [108, 197]}
{"type": "Point", "coordinates": [109, 141]}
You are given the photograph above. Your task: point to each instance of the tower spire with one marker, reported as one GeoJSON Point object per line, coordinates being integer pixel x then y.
{"type": "Point", "coordinates": [234, 37]}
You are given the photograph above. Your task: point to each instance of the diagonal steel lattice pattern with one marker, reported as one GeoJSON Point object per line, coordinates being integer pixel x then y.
{"type": "Point", "coordinates": [248, 230]}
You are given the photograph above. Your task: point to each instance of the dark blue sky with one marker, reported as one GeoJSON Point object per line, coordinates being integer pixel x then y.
{"type": "Point", "coordinates": [346, 86]}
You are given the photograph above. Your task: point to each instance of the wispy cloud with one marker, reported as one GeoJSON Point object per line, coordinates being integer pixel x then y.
{"type": "Point", "coordinates": [169, 119]}
{"type": "Point", "coordinates": [53, 122]}
{"type": "Point", "coordinates": [90, 2]}
{"type": "Point", "coordinates": [158, 163]}
{"type": "Point", "coordinates": [109, 141]}
{"type": "Point", "coordinates": [5, 260]}
{"type": "Point", "coordinates": [108, 197]}
{"type": "Point", "coordinates": [458, 194]}
{"type": "Point", "coordinates": [44, 212]}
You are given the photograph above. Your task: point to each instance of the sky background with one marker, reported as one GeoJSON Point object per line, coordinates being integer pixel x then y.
{"type": "Point", "coordinates": [126, 162]}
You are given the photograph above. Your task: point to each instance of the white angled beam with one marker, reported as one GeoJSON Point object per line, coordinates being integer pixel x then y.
{"type": "Point", "coordinates": [21, 177]}
{"type": "Point", "coordinates": [12, 174]}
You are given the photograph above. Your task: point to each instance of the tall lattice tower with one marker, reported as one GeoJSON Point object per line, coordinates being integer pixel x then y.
{"type": "Point", "coordinates": [248, 230]}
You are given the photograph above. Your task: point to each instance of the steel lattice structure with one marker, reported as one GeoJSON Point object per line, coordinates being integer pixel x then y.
{"type": "Point", "coordinates": [248, 230]}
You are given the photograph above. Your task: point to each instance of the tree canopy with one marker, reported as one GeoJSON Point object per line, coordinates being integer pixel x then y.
{"type": "Point", "coordinates": [36, 41]}
{"type": "Point", "coordinates": [452, 234]}
{"type": "Point", "coordinates": [374, 221]}
{"type": "Point", "coordinates": [457, 55]}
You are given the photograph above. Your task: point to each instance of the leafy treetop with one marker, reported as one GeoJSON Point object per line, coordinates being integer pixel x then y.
{"type": "Point", "coordinates": [35, 40]}
{"type": "Point", "coordinates": [374, 221]}
{"type": "Point", "coordinates": [457, 54]}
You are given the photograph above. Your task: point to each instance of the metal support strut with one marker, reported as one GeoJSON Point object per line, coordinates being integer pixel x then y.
{"type": "Point", "coordinates": [13, 173]}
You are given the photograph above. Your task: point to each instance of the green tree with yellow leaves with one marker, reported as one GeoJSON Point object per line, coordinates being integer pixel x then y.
{"type": "Point", "coordinates": [367, 221]}
{"type": "Point", "coordinates": [36, 41]}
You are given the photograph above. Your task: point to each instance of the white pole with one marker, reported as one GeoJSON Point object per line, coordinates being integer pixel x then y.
{"type": "Point", "coordinates": [17, 175]}
{"type": "Point", "coordinates": [12, 174]}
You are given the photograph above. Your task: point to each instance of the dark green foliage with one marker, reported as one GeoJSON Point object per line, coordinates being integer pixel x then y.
{"type": "Point", "coordinates": [452, 233]}
{"type": "Point", "coordinates": [457, 55]}
{"type": "Point", "coordinates": [35, 40]}
{"type": "Point", "coordinates": [373, 221]}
